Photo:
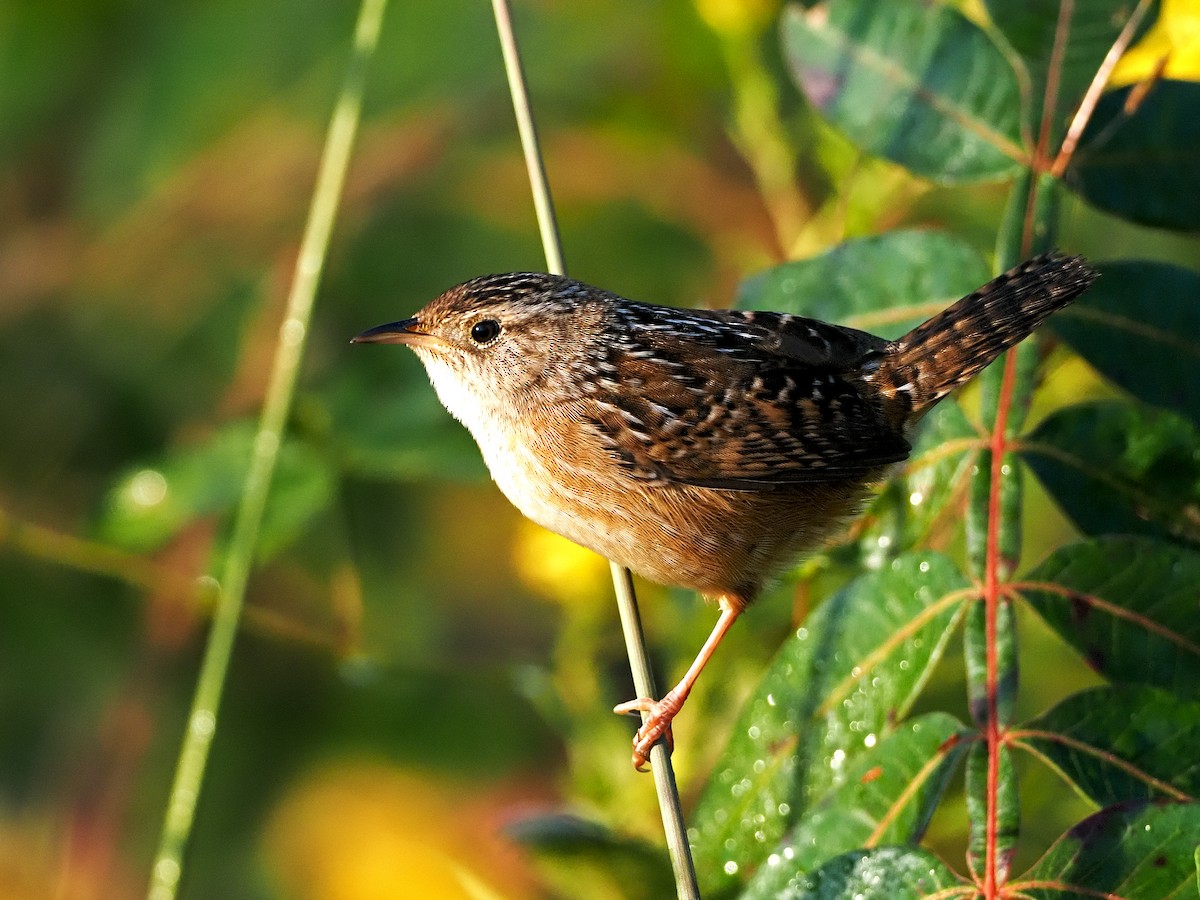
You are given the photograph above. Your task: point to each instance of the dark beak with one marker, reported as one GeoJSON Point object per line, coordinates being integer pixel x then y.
{"type": "Point", "coordinates": [403, 332]}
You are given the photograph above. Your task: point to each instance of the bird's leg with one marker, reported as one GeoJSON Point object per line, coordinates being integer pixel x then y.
{"type": "Point", "coordinates": [657, 725]}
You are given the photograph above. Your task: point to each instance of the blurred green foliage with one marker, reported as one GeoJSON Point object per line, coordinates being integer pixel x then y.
{"type": "Point", "coordinates": [419, 669]}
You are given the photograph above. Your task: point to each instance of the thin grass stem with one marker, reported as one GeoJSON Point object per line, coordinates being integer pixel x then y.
{"type": "Point", "coordinates": [631, 624]}
{"type": "Point", "coordinates": [167, 870]}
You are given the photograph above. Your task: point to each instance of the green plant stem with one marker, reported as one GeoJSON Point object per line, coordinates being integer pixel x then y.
{"type": "Point", "coordinates": [635, 641]}
{"type": "Point", "coordinates": [543, 204]}
{"type": "Point", "coordinates": [197, 595]}
{"type": "Point", "coordinates": [202, 719]}
{"type": "Point", "coordinates": [94, 558]}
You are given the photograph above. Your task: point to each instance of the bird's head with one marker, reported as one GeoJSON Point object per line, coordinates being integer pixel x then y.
{"type": "Point", "coordinates": [499, 343]}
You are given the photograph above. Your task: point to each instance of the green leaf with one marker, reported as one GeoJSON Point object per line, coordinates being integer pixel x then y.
{"type": "Point", "coordinates": [150, 505]}
{"type": "Point", "coordinates": [1138, 851]}
{"type": "Point", "coordinates": [975, 646]}
{"type": "Point", "coordinates": [1008, 809]}
{"type": "Point", "coordinates": [1117, 467]}
{"type": "Point", "coordinates": [1129, 605]}
{"type": "Point", "coordinates": [991, 386]}
{"type": "Point", "coordinates": [887, 798]}
{"type": "Point", "coordinates": [980, 515]}
{"type": "Point", "coordinates": [1139, 326]}
{"type": "Point", "coordinates": [1060, 43]}
{"type": "Point", "coordinates": [578, 852]}
{"type": "Point", "coordinates": [1121, 742]}
{"type": "Point", "coordinates": [885, 284]}
{"type": "Point", "coordinates": [887, 873]}
{"type": "Point", "coordinates": [839, 686]}
{"type": "Point", "coordinates": [916, 83]}
{"type": "Point", "coordinates": [386, 422]}
{"type": "Point", "coordinates": [923, 496]}
{"type": "Point", "coordinates": [1143, 166]}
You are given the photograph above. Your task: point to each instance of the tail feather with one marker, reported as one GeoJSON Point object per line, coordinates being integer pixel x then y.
{"type": "Point", "coordinates": [955, 345]}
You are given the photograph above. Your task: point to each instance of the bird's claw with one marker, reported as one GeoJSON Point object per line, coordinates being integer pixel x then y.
{"type": "Point", "coordinates": [656, 726]}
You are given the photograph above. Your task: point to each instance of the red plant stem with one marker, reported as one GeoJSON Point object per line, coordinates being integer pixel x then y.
{"type": "Point", "coordinates": [991, 599]}
{"type": "Point", "coordinates": [1053, 75]}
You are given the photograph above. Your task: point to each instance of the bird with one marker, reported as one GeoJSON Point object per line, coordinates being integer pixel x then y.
{"type": "Point", "coordinates": [702, 448]}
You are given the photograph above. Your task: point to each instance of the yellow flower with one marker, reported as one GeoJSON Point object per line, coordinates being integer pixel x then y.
{"type": "Point", "coordinates": [1174, 37]}
{"type": "Point", "coordinates": [361, 831]}
{"type": "Point", "coordinates": [557, 568]}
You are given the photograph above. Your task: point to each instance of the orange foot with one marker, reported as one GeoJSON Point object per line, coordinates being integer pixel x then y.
{"type": "Point", "coordinates": [656, 727]}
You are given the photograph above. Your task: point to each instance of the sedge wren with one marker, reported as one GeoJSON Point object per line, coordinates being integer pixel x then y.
{"type": "Point", "coordinates": [699, 448]}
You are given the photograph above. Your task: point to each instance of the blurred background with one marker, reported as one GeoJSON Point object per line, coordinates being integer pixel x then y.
{"type": "Point", "coordinates": [420, 670]}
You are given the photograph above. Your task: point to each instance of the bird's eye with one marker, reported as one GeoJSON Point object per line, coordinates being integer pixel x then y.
{"type": "Point", "coordinates": [485, 331]}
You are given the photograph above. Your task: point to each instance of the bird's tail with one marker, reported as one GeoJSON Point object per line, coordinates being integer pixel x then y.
{"type": "Point", "coordinates": [952, 347]}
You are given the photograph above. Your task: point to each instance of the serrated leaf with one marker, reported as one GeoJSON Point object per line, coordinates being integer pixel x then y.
{"type": "Point", "coordinates": [148, 506]}
{"type": "Point", "coordinates": [1143, 165]}
{"type": "Point", "coordinates": [1131, 606]}
{"type": "Point", "coordinates": [1137, 851]}
{"type": "Point", "coordinates": [1060, 43]}
{"type": "Point", "coordinates": [1117, 467]}
{"type": "Point", "coordinates": [844, 681]}
{"type": "Point", "coordinates": [920, 499]}
{"type": "Point", "coordinates": [918, 84]}
{"type": "Point", "coordinates": [1122, 742]}
{"type": "Point", "coordinates": [887, 798]}
{"type": "Point", "coordinates": [885, 284]}
{"type": "Point", "coordinates": [887, 873]}
{"type": "Point", "coordinates": [1139, 326]}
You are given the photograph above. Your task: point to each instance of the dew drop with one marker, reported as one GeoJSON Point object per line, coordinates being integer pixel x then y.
{"type": "Point", "coordinates": [167, 871]}
{"type": "Point", "coordinates": [731, 867]}
{"type": "Point", "coordinates": [203, 724]}
{"type": "Point", "coordinates": [148, 488]}
{"type": "Point", "coordinates": [292, 332]}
